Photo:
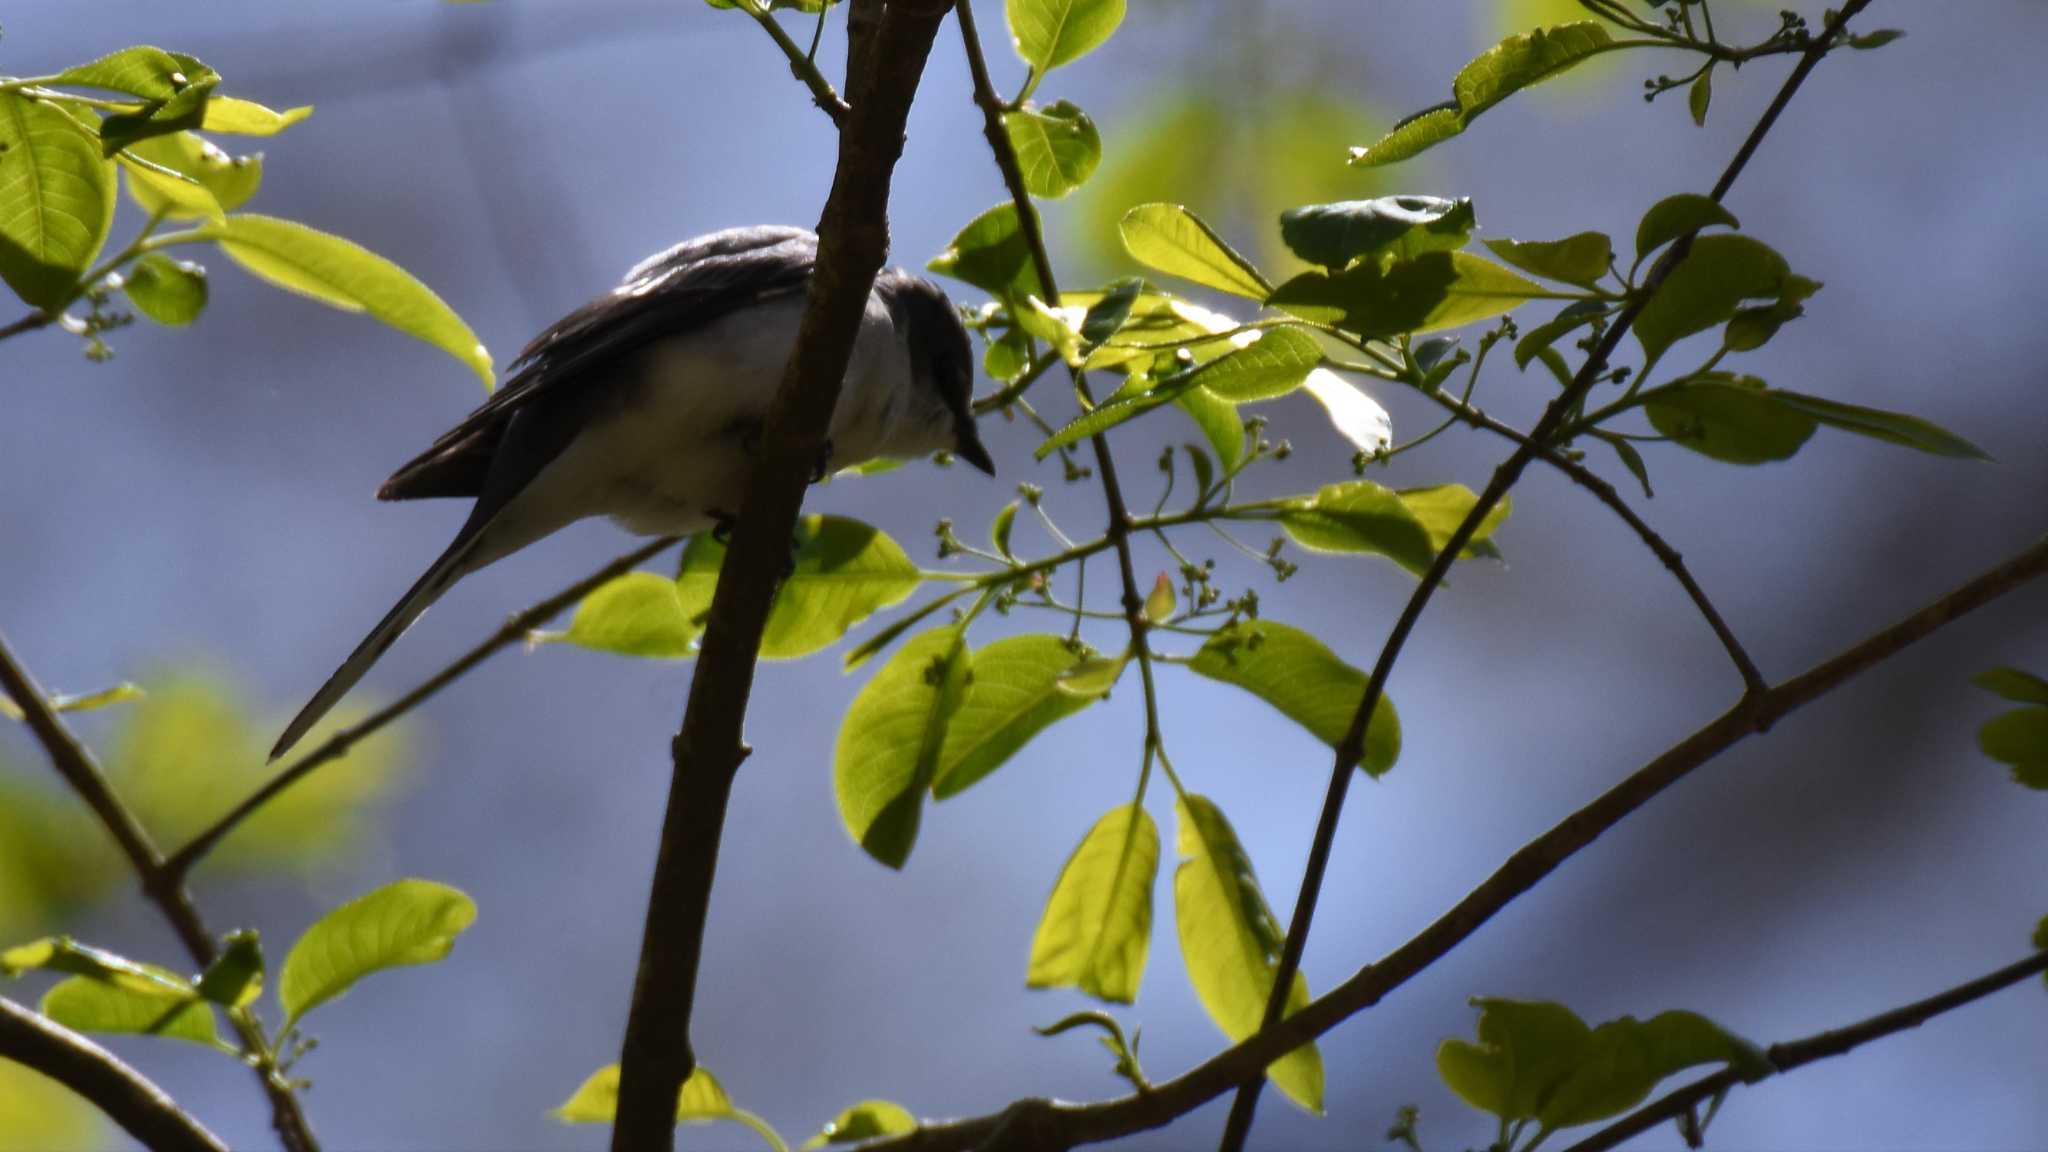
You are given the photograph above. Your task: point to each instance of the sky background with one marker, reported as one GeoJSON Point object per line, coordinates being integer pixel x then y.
{"type": "Point", "coordinates": [205, 501]}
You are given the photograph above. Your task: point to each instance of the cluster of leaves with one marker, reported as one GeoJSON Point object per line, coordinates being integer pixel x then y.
{"type": "Point", "coordinates": [704, 1101]}
{"type": "Point", "coordinates": [141, 118]}
{"type": "Point", "coordinates": [404, 923]}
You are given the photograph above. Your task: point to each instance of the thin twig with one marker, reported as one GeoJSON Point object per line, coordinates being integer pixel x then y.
{"type": "Point", "coordinates": [1786, 1056]}
{"type": "Point", "coordinates": [76, 765]}
{"type": "Point", "coordinates": [142, 1109]}
{"type": "Point", "coordinates": [515, 629]}
{"type": "Point", "coordinates": [1059, 1126]}
{"type": "Point", "coordinates": [801, 63]}
{"type": "Point", "coordinates": [888, 45]}
{"type": "Point", "coordinates": [1238, 1125]}
{"type": "Point", "coordinates": [29, 323]}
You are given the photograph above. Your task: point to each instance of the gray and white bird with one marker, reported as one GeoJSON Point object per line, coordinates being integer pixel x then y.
{"type": "Point", "coordinates": [645, 405]}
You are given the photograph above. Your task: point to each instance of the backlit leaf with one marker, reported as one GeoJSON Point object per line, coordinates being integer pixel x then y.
{"type": "Point", "coordinates": [635, 614]}
{"type": "Point", "coordinates": [1442, 508]}
{"type": "Point", "coordinates": [891, 741]}
{"type": "Point", "coordinates": [1298, 675]}
{"type": "Point", "coordinates": [89, 1005]}
{"type": "Point", "coordinates": [233, 117]}
{"type": "Point", "coordinates": [991, 254]}
{"type": "Point", "coordinates": [844, 572]}
{"type": "Point", "coordinates": [1173, 240]}
{"type": "Point", "coordinates": [1876, 423]}
{"type": "Point", "coordinates": [1357, 516]}
{"type": "Point", "coordinates": [1015, 690]}
{"type": "Point", "coordinates": [403, 923]}
{"type": "Point", "coordinates": [1433, 291]}
{"type": "Point", "coordinates": [228, 181]}
{"type": "Point", "coordinates": [56, 201]}
{"type": "Point", "coordinates": [703, 1100]}
{"type": "Point", "coordinates": [1057, 147]}
{"type": "Point", "coordinates": [1049, 33]}
{"type": "Point", "coordinates": [866, 1120]}
{"type": "Point", "coordinates": [1730, 418]}
{"type": "Point", "coordinates": [165, 290]}
{"type": "Point", "coordinates": [1580, 259]}
{"type": "Point", "coordinates": [1277, 363]}
{"type": "Point", "coordinates": [1706, 289]}
{"type": "Point", "coordinates": [1097, 924]}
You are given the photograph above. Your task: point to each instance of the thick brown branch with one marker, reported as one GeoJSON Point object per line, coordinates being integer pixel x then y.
{"type": "Point", "coordinates": [78, 768]}
{"type": "Point", "coordinates": [1238, 1125]}
{"type": "Point", "coordinates": [142, 1109]}
{"type": "Point", "coordinates": [515, 629]}
{"type": "Point", "coordinates": [889, 44]}
{"type": "Point", "coordinates": [1059, 1126]}
{"type": "Point", "coordinates": [1784, 1057]}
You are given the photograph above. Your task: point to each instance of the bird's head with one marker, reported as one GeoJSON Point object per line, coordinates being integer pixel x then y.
{"type": "Point", "coordinates": [941, 365]}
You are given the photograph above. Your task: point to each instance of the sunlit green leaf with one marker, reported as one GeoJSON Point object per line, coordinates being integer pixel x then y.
{"type": "Point", "coordinates": [991, 254]}
{"type": "Point", "coordinates": [1275, 364]}
{"type": "Point", "coordinates": [348, 276]}
{"type": "Point", "coordinates": [1014, 691]}
{"type": "Point", "coordinates": [403, 923]}
{"type": "Point", "coordinates": [843, 572]}
{"type": "Point", "coordinates": [150, 73]}
{"type": "Point", "coordinates": [165, 290]}
{"type": "Point", "coordinates": [703, 1100]}
{"type": "Point", "coordinates": [1231, 944]}
{"type": "Point", "coordinates": [892, 739]}
{"type": "Point", "coordinates": [866, 1120]}
{"type": "Point", "coordinates": [636, 614]}
{"type": "Point", "coordinates": [230, 116]}
{"type": "Point", "coordinates": [1357, 516]}
{"type": "Point", "coordinates": [1097, 924]}
{"type": "Point", "coordinates": [87, 702]}
{"type": "Point", "coordinates": [63, 954]}
{"type": "Point", "coordinates": [1050, 33]}
{"type": "Point", "coordinates": [1412, 136]}
{"type": "Point", "coordinates": [1297, 674]}
{"type": "Point", "coordinates": [1580, 259]}
{"type": "Point", "coordinates": [1217, 420]}
{"type": "Point", "coordinates": [1173, 240]}
{"type": "Point", "coordinates": [1442, 508]}
{"type": "Point", "coordinates": [1057, 147]}
{"type": "Point", "coordinates": [227, 181]}
{"type": "Point", "coordinates": [1391, 227]}
{"type": "Point", "coordinates": [89, 1005]}
{"type": "Point", "coordinates": [1433, 291]}
{"type": "Point", "coordinates": [56, 201]}
{"type": "Point", "coordinates": [178, 87]}
{"type": "Point", "coordinates": [1674, 216]}
{"type": "Point", "coordinates": [1730, 418]}
{"type": "Point", "coordinates": [1515, 63]}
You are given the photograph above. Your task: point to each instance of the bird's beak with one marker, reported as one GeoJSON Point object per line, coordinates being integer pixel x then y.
{"type": "Point", "coordinates": [969, 448]}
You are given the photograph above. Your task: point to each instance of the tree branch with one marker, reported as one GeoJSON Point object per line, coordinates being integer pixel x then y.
{"type": "Point", "coordinates": [1059, 1126]}
{"type": "Point", "coordinates": [1784, 1057]}
{"type": "Point", "coordinates": [1238, 1126]}
{"type": "Point", "coordinates": [889, 44]}
{"type": "Point", "coordinates": [515, 629]}
{"type": "Point", "coordinates": [800, 63]}
{"type": "Point", "coordinates": [138, 1106]}
{"type": "Point", "coordinates": [28, 323]}
{"type": "Point", "coordinates": [78, 768]}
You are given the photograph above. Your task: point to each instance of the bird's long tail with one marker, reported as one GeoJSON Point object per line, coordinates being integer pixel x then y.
{"type": "Point", "coordinates": [438, 579]}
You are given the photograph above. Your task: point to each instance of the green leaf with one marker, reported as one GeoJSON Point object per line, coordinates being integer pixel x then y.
{"type": "Point", "coordinates": [1113, 412]}
{"type": "Point", "coordinates": [1016, 688]}
{"type": "Point", "coordinates": [1391, 227]}
{"type": "Point", "coordinates": [892, 739]}
{"type": "Point", "coordinates": [1057, 147]}
{"type": "Point", "coordinates": [1633, 461]}
{"type": "Point", "coordinates": [703, 1100]}
{"type": "Point", "coordinates": [1716, 277]}
{"type": "Point", "coordinates": [1674, 216]}
{"type": "Point", "coordinates": [1173, 240]}
{"type": "Point", "coordinates": [403, 923]}
{"type": "Point", "coordinates": [1298, 675]}
{"type": "Point", "coordinates": [233, 117]}
{"type": "Point", "coordinates": [1433, 291]}
{"type": "Point", "coordinates": [1891, 427]}
{"type": "Point", "coordinates": [1231, 944]}
{"type": "Point", "coordinates": [89, 702]}
{"type": "Point", "coordinates": [1524, 1049]}
{"type": "Point", "coordinates": [1108, 314]}
{"type": "Point", "coordinates": [1700, 97]}
{"type": "Point", "coordinates": [56, 201]}
{"type": "Point", "coordinates": [1581, 258]}
{"type": "Point", "coordinates": [1094, 676]}
{"type": "Point", "coordinates": [1049, 33]}
{"type": "Point", "coordinates": [1573, 317]}
{"type": "Point", "coordinates": [1160, 603]}
{"type": "Point", "coordinates": [1875, 39]}
{"type": "Point", "coordinates": [636, 614]}
{"type": "Point", "coordinates": [1275, 364]}
{"type": "Point", "coordinates": [2019, 738]}
{"type": "Point", "coordinates": [1218, 422]}
{"type": "Point", "coordinates": [991, 254]}
{"type": "Point", "coordinates": [1358, 516]}
{"type": "Point", "coordinates": [88, 1005]}
{"type": "Point", "coordinates": [1000, 528]}
{"type": "Point", "coordinates": [1729, 418]}
{"type": "Point", "coordinates": [1442, 508]}
{"type": "Point", "coordinates": [223, 182]}
{"type": "Point", "coordinates": [1097, 924]}
{"type": "Point", "coordinates": [866, 1120]}
{"type": "Point", "coordinates": [2013, 684]}
{"type": "Point", "coordinates": [235, 978]}
{"type": "Point", "coordinates": [348, 276]}
{"type": "Point", "coordinates": [1412, 136]}
{"type": "Point", "coordinates": [62, 954]}
{"type": "Point", "coordinates": [843, 572]}
{"type": "Point", "coordinates": [150, 73]}
{"type": "Point", "coordinates": [177, 101]}
{"type": "Point", "coordinates": [165, 290]}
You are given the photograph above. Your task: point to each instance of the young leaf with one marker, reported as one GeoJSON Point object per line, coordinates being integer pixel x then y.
{"type": "Point", "coordinates": [2019, 738]}
{"type": "Point", "coordinates": [165, 290]}
{"type": "Point", "coordinates": [403, 923]}
{"type": "Point", "coordinates": [1057, 147]}
{"type": "Point", "coordinates": [1295, 673]}
{"type": "Point", "coordinates": [1700, 96]}
{"type": "Point", "coordinates": [636, 614]}
{"type": "Point", "coordinates": [1357, 516]}
{"type": "Point", "coordinates": [1729, 418]}
{"type": "Point", "coordinates": [233, 117]}
{"type": "Point", "coordinates": [1674, 216]}
{"type": "Point", "coordinates": [1394, 227]}
{"type": "Point", "coordinates": [1094, 675]}
{"type": "Point", "coordinates": [702, 1101]}
{"type": "Point", "coordinates": [1049, 33]}
{"type": "Point", "coordinates": [1876, 423]}
{"type": "Point", "coordinates": [1000, 528]}
{"type": "Point", "coordinates": [1015, 690]}
{"type": "Point", "coordinates": [1173, 240]}
{"type": "Point", "coordinates": [348, 276]}
{"type": "Point", "coordinates": [62, 954]}
{"type": "Point", "coordinates": [1110, 311]}
{"type": "Point", "coordinates": [1217, 420]}
{"type": "Point", "coordinates": [2013, 684]}
{"type": "Point", "coordinates": [843, 572]}
{"type": "Point", "coordinates": [1097, 924]}
{"type": "Point", "coordinates": [1273, 365]}
{"type": "Point", "coordinates": [991, 254]}
{"type": "Point", "coordinates": [224, 182]}
{"type": "Point", "coordinates": [1442, 508]}
{"type": "Point", "coordinates": [866, 1120]}
{"type": "Point", "coordinates": [150, 73]}
{"type": "Point", "coordinates": [1231, 944]}
{"type": "Point", "coordinates": [891, 741]}
{"type": "Point", "coordinates": [1433, 291]}
{"type": "Point", "coordinates": [89, 1005]}
{"type": "Point", "coordinates": [1580, 259]}
{"type": "Point", "coordinates": [56, 201]}
{"type": "Point", "coordinates": [1159, 605]}
{"type": "Point", "coordinates": [1515, 63]}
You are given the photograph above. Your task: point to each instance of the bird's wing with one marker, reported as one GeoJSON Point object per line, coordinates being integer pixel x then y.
{"type": "Point", "coordinates": [576, 360]}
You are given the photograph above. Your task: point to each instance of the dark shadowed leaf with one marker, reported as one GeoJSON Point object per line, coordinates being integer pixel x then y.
{"type": "Point", "coordinates": [1674, 216]}
{"type": "Point", "coordinates": [1395, 227]}
{"type": "Point", "coordinates": [866, 1120]}
{"type": "Point", "coordinates": [2013, 684]}
{"type": "Point", "coordinates": [1433, 291]}
{"type": "Point", "coordinates": [1730, 418]}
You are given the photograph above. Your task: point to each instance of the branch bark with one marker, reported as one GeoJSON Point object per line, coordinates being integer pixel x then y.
{"type": "Point", "coordinates": [1681, 1103]}
{"type": "Point", "coordinates": [1238, 1125]}
{"type": "Point", "coordinates": [1050, 1125]}
{"type": "Point", "coordinates": [142, 1109]}
{"type": "Point", "coordinates": [76, 765]}
{"type": "Point", "coordinates": [889, 43]}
